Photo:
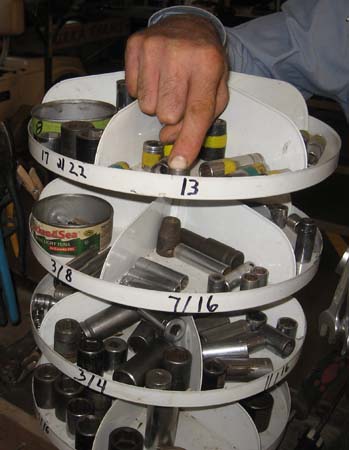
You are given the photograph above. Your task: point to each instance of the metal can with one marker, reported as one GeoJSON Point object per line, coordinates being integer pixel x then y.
{"type": "Point", "coordinates": [69, 224]}
{"type": "Point", "coordinates": [49, 116]}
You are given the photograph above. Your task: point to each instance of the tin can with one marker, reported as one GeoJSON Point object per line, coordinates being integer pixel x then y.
{"type": "Point", "coordinates": [69, 224]}
{"type": "Point", "coordinates": [48, 117]}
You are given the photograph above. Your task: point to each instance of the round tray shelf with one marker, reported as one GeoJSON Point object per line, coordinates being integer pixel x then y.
{"type": "Point", "coordinates": [135, 228]}
{"type": "Point", "coordinates": [79, 306]}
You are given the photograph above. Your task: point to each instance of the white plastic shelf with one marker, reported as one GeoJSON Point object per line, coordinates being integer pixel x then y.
{"type": "Point", "coordinates": [282, 149]}
{"type": "Point", "coordinates": [80, 306]}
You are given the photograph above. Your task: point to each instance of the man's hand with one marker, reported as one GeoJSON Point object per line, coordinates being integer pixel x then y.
{"type": "Point", "coordinates": [178, 70]}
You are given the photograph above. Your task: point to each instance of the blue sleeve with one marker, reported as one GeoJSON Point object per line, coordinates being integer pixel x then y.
{"type": "Point", "coordinates": [307, 44]}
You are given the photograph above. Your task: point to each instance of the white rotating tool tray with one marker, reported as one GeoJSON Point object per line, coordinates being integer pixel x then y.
{"type": "Point", "coordinates": [80, 306]}
{"type": "Point", "coordinates": [257, 122]}
{"type": "Point", "coordinates": [136, 223]}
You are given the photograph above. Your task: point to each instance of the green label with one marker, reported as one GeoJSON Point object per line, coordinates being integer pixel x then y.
{"type": "Point", "coordinates": [71, 247]}
{"type": "Point", "coordinates": [39, 126]}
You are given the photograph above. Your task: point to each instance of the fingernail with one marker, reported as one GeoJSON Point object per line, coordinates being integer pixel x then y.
{"type": "Point", "coordinates": [178, 162]}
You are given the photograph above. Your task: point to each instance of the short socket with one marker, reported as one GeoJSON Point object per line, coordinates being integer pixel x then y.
{"type": "Point", "coordinates": [65, 389]}
{"type": "Point", "coordinates": [249, 281]}
{"type": "Point", "coordinates": [216, 283]}
{"type": "Point", "coordinates": [76, 409]}
{"type": "Point", "coordinates": [115, 352]}
{"type": "Point", "coordinates": [213, 374]}
{"type": "Point", "coordinates": [67, 337]}
{"type": "Point", "coordinates": [169, 236]}
{"type": "Point", "coordinates": [86, 430]}
{"type": "Point", "coordinates": [256, 319]}
{"type": "Point", "coordinates": [293, 221]}
{"type": "Point", "coordinates": [125, 438]}
{"type": "Point", "coordinates": [260, 408]}
{"type": "Point", "coordinates": [279, 213]}
{"type": "Point", "coordinates": [90, 355]}
{"type": "Point", "coordinates": [262, 274]}
{"type": "Point", "coordinates": [287, 326]}
{"type": "Point", "coordinates": [247, 369]}
{"type": "Point", "coordinates": [233, 279]}
{"type": "Point", "coordinates": [177, 361]}
{"type": "Point", "coordinates": [100, 402]}
{"type": "Point", "coordinates": [142, 337]}
{"type": "Point", "coordinates": [44, 378]}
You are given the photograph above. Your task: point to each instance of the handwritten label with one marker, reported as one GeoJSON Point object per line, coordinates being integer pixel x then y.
{"type": "Point", "coordinates": [62, 273]}
{"type": "Point", "coordinates": [45, 428]}
{"type": "Point", "coordinates": [67, 167]}
{"type": "Point", "coordinates": [91, 380]}
{"type": "Point", "coordinates": [276, 376]}
{"type": "Point", "coordinates": [201, 304]}
{"type": "Point", "coordinates": [190, 186]}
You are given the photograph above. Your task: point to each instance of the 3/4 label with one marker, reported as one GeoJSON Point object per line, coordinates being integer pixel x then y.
{"type": "Point", "coordinates": [91, 380]}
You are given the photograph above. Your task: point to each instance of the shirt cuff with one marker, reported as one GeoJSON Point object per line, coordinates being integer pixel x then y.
{"type": "Point", "coordinates": [175, 10]}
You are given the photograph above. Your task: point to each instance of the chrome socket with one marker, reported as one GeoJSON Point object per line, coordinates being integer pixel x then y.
{"type": "Point", "coordinates": [287, 326]}
{"type": "Point", "coordinates": [256, 319]}
{"type": "Point", "coordinates": [216, 283]}
{"type": "Point", "coordinates": [247, 369]}
{"type": "Point", "coordinates": [279, 214]}
{"type": "Point", "coordinates": [233, 279]}
{"type": "Point", "coordinates": [306, 233]}
{"type": "Point", "coordinates": [165, 272]}
{"type": "Point", "coordinates": [225, 349]}
{"type": "Point", "coordinates": [213, 374]}
{"type": "Point", "coordinates": [223, 332]}
{"type": "Point", "coordinates": [262, 274]}
{"type": "Point", "coordinates": [249, 281]}
{"type": "Point", "coordinates": [199, 260]}
{"type": "Point", "coordinates": [177, 361]}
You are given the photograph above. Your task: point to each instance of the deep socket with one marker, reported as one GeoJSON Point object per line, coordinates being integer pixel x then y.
{"type": "Point", "coordinates": [165, 272]}
{"type": "Point", "coordinates": [156, 280]}
{"type": "Point", "coordinates": [227, 331]}
{"type": "Point", "coordinates": [136, 282]}
{"type": "Point", "coordinates": [86, 145]}
{"type": "Point", "coordinates": [169, 236]}
{"type": "Point", "coordinates": [108, 322]}
{"type": "Point", "coordinates": [76, 409]}
{"type": "Point", "coordinates": [212, 321]}
{"type": "Point", "coordinates": [91, 355]}
{"type": "Point", "coordinates": [161, 426]}
{"type": "Point", "coordinates": [260, 408]}
{"type": "Point", "coordinates": [247, 369]}
{"type": "Point", "coordinates": [177, 361]}
{"type": "Point", "coordinates": [256, 319]}
{"type": "Point", "coordinates": [233, 279]}
{"type": "Point", "coordinates": [213, 376]}
{"type": "Point", "coordinates": [225, 349]}
{"type": "Point", "coordinates": [216, 283]}
{"type": "Point", "coordinates": [306, 233]}
{"type": "Point", "coordinates": [125, 438]}
{"type": "Point", "coordinates": [67, 338]}
{"type": "Point", "coordinates": [43, 301]}
{"type": "Point", "coordinates": [86, 430]}
{"type": "Point", "coordinates": [287, 326]}
{"type": "Point", "coordinates": [199, 260]}
{"type": "Point", "coordinates": [69, 132]}
{"type": "Point", "coordinates": [142, 337]}
{"type": "Point", "coordinates": [44, 378]}
{"type": "Point", "coordinates": [115, 353]}
{"type": "Point", "coordinates": [133, 371]}
{"type": "Point", "coordinates": [65, 389]}
{"type": "Point", "coordinates": [254, 340]}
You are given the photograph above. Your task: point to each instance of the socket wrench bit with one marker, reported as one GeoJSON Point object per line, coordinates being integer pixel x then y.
{"type": "Point", "coordinates": [260, 408]}
{"type": "Point", "coordinates": [142, 337]}
{"type": "Point", "coordinates": [67, 338]}
{"type": "Point", "coordinates": [115, 353]}
{"type": "Point", "coordinates": [165, 272]}
{"type": "Point", "coordinates": [293, 220]}
{"type": "Point", "coordinates": [287, 326]}
{"type": "Point", "coordinates": [64, 390]}
{"type": "Point", "coordinates": [247, 369]}
{"type": "Point", "coordinates": [43, 301]}
{"type": "Point", "coordinates": [108, 322]}
{"type": "Point", "coordinates": [100, 402]}
{"type": "Point", "coordinates": [86, 430]}
{"type": "Point", "coordinates": [249, 281]}
{"type": "Point", "coordinates": [161, 425]}
{"type": "Point", "coordinates": [262, 274]}
{"type": "Point", "coordinates": [91, 355]}
{"type": "Point", "coordinates": [44, 378]}
{"type": "Point", "coordinates": [76, 409]}
{"type": "Point", "coordinates": [169, 236]}
{"type": "Point", "coordinates": [306, 233]}
{"type": "Point", "coordinates": [173, 330]}
{"type": "Point", "coordinates": [86, 145]}
{"type": "Point", "coordinates": [212, 321]}
{"type": "Point", "coordinates": [123, 98]}
{"type": "Point", "coordinates": [199, 260]}
{"type": "Point", "coordinates": [125, 438]}
{"type": "Point", "coordinates": [133, 371]}
{"type": "Point", "coordinates": [233, 279]}
{"type": "Point", "coordinates": [227, 331]}
{"type": "Point", "coordinates": [225, 349]}
{"type": "Point", "coordinates": [177, 361]}
{"type": "Point", "coordinates": [279, 213]}
{"type": "Point", "coordinates": [69, 132]}
{"type": "Point", "coordinates": [216, 283]}
{"type": "Point", "coordinates": [213, 248]}
{"type": "Point", "coordinates": [156, 280]}
{"type": "Point", "coordinates": [315, 147]}
{"type": "Point", "coordinates": [62, 290]}
{"type": "Point", "coordinates": [256, 319]}
{"type": "Point", "coordinates": [213, 376]}
{"type": "Point", "coordinates": [277, 342]}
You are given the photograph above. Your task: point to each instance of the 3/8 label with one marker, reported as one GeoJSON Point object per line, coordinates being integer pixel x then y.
{"type": "Point", "coordinates": [62, 273]}
{"type": "Point", "coordinates": [202, 304]}
{"type": "Point", "coordinates": [91, 380]}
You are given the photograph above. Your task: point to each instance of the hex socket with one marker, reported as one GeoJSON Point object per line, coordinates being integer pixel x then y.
{"type": "Point", "coordinates": [125, 438]}
{"type": "Point", "coordinates": [306, 233]}
{"type": "Point", "coordinates": [293, 220]}
{"type": "Point", "coordinates": [225, 349]}
{"type": "Point", "coordinates": [260, 408]}
{"type": "Point", "coordinates": [177, 361]}
{"type": "Point", "coordinates": [133, 371]}
{"type": "Point", "coordinates": [213, 248]}
{"type": "Point", "coordinates": [233, 279]}
{"type": "Point", "coordinates": [69, 133]}
{"type": "Point", "coordinates": [44, 378]}
{"type": "Point", "coordinates": [100, 402]}
{"type": "Point", "coordinates": [165, 272]}
{"type": "Point", "coordinates": [91, 355]}
{"type": "Point", "coordinates": [142, 337]}
{"type": "Point", "coordinates": [86, 144]}
{"type": "Point", "coordinates": [86, 430]}
{"type": "Point", "coordinates": [249, 281]}
{"type": "Point", "coordinates": [67, 338]}
{"type": "Point", "coordinates": [76, 409]}
{"type": "Point", "coordinates": [278, 342]}
{"type": "Point", "coordinates": [279, 213]}
{"type": "Point", "coordinates": [255, 340]}
{"type": "Point", "coordinates": [227, 331]}
{"type": "Point", "coordinates": [154, 281]}
{"type": "Point", "coordinates": [247, 369]}
{"type": "Point", "coordinates": [108, 322]}
{"type": "Point", "coordinates": [169, 236]}
{"type": "Point", "coordinates": [213, 374]}
{"type": "Point", "coordinates": [256, 319]}
{"type": "Point", "coordinates": [262, 274]}
{"type": "Point", "coordinates": [115, 352]}
{"type": "Point", "coordinates": [65, 389]}
{"type": "Point", "coordinates": [287, 326]}
{"type": "Point", "coordinates": [216, 283]}
{"type": "Point", "coordinates": [200, 260]}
